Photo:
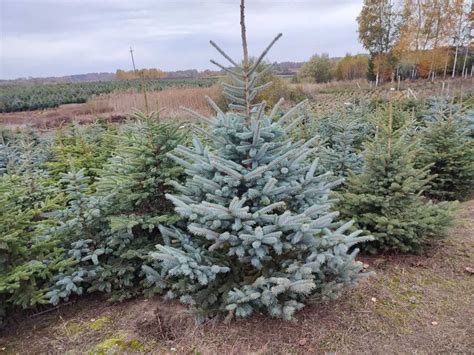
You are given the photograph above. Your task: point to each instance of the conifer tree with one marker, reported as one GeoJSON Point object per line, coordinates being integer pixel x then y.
{"type": "Point", "coordinates": [385, 199]}
{"type": "Point", "coordinates": [341, 153]}
{"type": "Point", "coordinates": [258, 234]}
{"type": "Point", "coordinates": [110, 227]}
{"type": "Point", "coordinates": [447, 145]}
{"type": "Point", "coordinates": [22, 150]}
{"type": "Point", "coordinates": [28, 256]}
{"type": "Point", "coordinates": [77, 147]}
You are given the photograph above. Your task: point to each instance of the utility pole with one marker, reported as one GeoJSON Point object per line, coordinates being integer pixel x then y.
{"type": "Point", "coordinates": [133, 61]}
{"type": "Point", "coordinates": [142, 81]}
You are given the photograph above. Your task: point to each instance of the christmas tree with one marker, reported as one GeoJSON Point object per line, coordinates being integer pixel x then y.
{"type": "Point", "coordinates": [447, 145]}
{"type": "Point", "coordinates": [110, 227]}
{"type": "Point", "coordinates": [257, 233]}
{"type": "Point", "coordinates": [385, 199]}
{"type": "Point", "coordinates": [28, 257]}
{"type": "Point", "coordinates": [341, 152]}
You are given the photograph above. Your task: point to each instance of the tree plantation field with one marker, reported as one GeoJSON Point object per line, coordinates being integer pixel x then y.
{"type": "Point", "coordinates": [21, 97]}
{"type": "Point", "coordinates": [168, 101]}
{"type": "Point", "coordinates": [116, 106]}
{"type": "Point", "coordinates": [79, 191]}
{"type": "Point", "coordinates": [255, 214]}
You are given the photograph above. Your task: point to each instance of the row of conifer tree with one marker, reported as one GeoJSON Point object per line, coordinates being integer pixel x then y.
{"type": "Point", "coordinates": [261, 209]}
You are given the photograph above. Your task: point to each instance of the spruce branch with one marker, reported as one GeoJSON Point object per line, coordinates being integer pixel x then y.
{"type": "Point", "coordinates": [224, 54]}
{"type": "Point", "coordinates": [197, 115]}
{"type": "Point", "coordinates": [292, 111]}
{"type": "Point", "coordinates": [214, 106]}
{"type": "Point", "coordinates": [276, 107]}
{"type": "Point", "coordinates": [264, 53]}
{"type": "Point", "coordinates": [231, 72]}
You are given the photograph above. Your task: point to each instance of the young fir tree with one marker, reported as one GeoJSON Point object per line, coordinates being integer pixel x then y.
{"type": "Point", "coordinates": [82, 147]}
{"type": "Point", "coordinates": [385, 199]}
{"type": "Point", "coordinates": [447, 144]}
{"type": "Point", "coordinates": [28, 256]}
{"type": "Point", "coordinates": [341, 153]}
{"type": "Point", "coordinates": [22, 150]}
{"type": "Point", "coordinates": [259, 233]}
{"type": "Point", "coordinates": [110, 227]}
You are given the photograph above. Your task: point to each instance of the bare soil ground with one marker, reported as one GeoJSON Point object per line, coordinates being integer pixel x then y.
{"type": "Point", "coordinates": [414, 304]}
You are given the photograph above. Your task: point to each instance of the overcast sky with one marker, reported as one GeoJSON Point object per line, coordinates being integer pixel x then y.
{"type": "Point", "coordinates": [62, 37]}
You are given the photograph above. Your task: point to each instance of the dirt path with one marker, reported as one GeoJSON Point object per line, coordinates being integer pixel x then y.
{"type": "Point", "coordinates": [414, 304]}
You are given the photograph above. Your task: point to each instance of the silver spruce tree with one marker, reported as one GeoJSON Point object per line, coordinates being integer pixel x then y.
{"type": "Point", "coordinates": [258, 233]}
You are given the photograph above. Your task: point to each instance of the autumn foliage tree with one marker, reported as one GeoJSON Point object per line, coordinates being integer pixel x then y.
{"type": "Point", "coordinates": [424, 36]}
{"type": "Point", "coordinates": [379, 23]}
{"type": "Point", "coordinates": [352, 67]}
{"type": "Point", "coordinates": [411, 39]}
{"type": "Point", "coordinates": [151, 73]}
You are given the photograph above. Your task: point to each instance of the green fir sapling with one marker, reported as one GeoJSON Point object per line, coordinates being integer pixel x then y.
{"type": "Point", "coordinates": [110, 227]}
{"type": "Point", "coordinates": [340, 154]}
{"type": "Point", "coordinates": [386, 198]}
{"type": "Point", "coordinates": [447, 144]}
{"type": "Point", "coordinates": [259, 232]}
{"type": "Point", "coordinates": [28, 255]}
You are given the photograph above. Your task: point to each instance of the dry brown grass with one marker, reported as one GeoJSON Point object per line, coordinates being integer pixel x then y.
{"type": "Point", "coordinates": [414, 304]}
{"type": "Point", "coordinates": [167, 102]}
{"type": "Point", "coordinates": [117, 106]}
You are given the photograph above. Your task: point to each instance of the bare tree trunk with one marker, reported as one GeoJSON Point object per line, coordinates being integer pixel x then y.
{"type": "Point", "coordinates": [458, 37]}
{"type": "Point", "coordinates": [464, 69]}
{"type": "Point", "coordinates": [455, 62]}
{"type": "Point", "coordinates": [446, 64]}
{"type": "Point", "coordinates": [377, 76]}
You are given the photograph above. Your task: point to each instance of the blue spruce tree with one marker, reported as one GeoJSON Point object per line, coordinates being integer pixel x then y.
{"type": "Point", "coordinates": [341, 154]}
{"type": "Point", "coordinates": [257, 231]}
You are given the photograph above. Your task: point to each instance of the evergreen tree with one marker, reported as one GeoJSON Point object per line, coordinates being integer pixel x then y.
{"type": "Point", "coordinates": [385, 199]}
{"type": "Point", "coordinates": [371, 75]}
{"type": "Point", "coordinates": [446, 129]}
{"type": "Point", "coordinates": [341, 154]}
{"type": "Point", "coordinates": [77, 147]}
{"type": "Point", "coordinates": [259, 233]}
{"type": "Point", "coordinates": [22, 150]}
{"type": "Point", "coordinates": [28, 256]}
{"type": "Point", "coordinates": [110, 227]}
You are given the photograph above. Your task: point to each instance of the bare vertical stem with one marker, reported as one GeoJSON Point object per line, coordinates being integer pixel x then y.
{"type": "Point", "coordinates": [246, 66]}
{"type": "Point", "coordinates": [244, 34]}
{"type": "Point", "coordinates": [390, 127]}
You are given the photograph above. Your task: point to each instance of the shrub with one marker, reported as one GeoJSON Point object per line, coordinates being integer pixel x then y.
{"type": "Point", "coordinates": [318, 69]}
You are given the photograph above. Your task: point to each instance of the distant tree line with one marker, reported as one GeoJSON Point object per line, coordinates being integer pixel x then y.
{"type": "Point", "coordinates": [152, 73]}
{"type": "Point", "coordinates": [405, 39]}
{"type": "Point", "coordinates": [409, 39]}
{"type": "Point", "coordinates": [322, 68]}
